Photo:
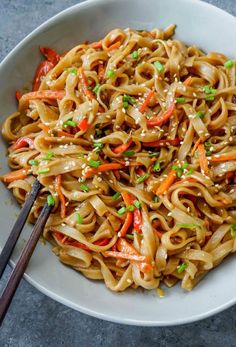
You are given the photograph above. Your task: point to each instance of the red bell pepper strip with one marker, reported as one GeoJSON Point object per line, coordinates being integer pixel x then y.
{"type": "Point", "coordinates": [22, 142]}
{"type": "Point", "coordinates": [43, 68]}
{"type": "Point", "coordinates": [50, 55]}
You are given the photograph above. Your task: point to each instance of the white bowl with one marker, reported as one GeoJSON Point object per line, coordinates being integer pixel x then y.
{"type": "Point", "coordinates": [198, 23]}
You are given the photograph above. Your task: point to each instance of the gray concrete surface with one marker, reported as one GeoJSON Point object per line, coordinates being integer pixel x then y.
{"type": "Point", "coordinates": [35, 320]}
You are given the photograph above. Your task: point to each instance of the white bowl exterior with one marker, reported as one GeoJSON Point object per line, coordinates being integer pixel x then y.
{"type": "Point", "coordinates": [197, 23]}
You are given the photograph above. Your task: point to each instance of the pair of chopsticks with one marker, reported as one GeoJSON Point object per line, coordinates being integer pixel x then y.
{"type": "Point", "coordinates": [27, 251]}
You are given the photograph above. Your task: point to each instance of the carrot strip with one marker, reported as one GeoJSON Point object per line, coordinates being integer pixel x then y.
{"type": "Point", "coordinates": [50, 55]}
{"type": "Point", "coordinates": [44, 127]}
{"type": "Point", "coordinates": [104, 167]}
{"type": "Point", "coordinates": [163, 118]}
{"type": "Point", "coordinates": [223, 157]}
{"type": "Point", "coordinates": [61, 196]}
{"type": "Point", "coordinates": [127, 224]}
{"type": "Point", "coordinates": [137, 220]}
{"type": "Point", "coordinates": [168, 181]}
{"type": "Point", "coordinates": [44, 94]}
{"type": "Point", "coordinates": [114, 46]}
{"type": "Point", "coordinates": [127, 197]}
{"type": "Point", "coordinates": [96, 45]}
{"type": "Point", "coordinates": [122, 148]}
{"type": "Point", "coordinates": [101, 72]}
{"type": "Point", "coordinates": [121, 255]}
{"type": "Point", "coordinates": [18, 95]}
{"type": "Point", "coordinates": [43, 68]}
{"type": "Point", "coordinates": [203, 159]}
{"type": "Point", "coordinates": [84, 83]}
{"type": "Point", "coordinates": [83, 125]}
{"type": "Point", "coordinates": [15, 175]}
{"type": "Point", "coordinates": [62, 133]}
{"type": "Point", "coordinates": [125, 247]}
{"type": "Point", "coordinates": [197, 143]}
{"type": "Point", "coordinates": [162, 143]}
{"type": "Point", "coordinates": [147, 101]}
{"type": "Point", "coordinates": [59, 236]}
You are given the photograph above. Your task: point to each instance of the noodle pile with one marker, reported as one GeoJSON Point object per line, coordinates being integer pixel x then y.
{"type": "Point", "coordinates": [133, 139]}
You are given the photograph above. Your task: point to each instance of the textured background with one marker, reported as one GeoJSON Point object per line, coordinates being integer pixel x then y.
{"type": "Point", "coordinates": [35, 320]}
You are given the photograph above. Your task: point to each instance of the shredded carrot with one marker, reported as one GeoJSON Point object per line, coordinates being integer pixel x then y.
{"type": "Point", "coordinates": [203, 159]}
{"type": "Point", "coordinates": [44, 94]}
{"type": "Point", "coordinates": [197, 143]}
{"type": "Point", "coordinates": [223, 157]}
{"type": "Point", "coordinates": [15, 175]}
{"type": "Point", "coordinates": [125, 247]}
{"type": "Point", "coordinates": [168, 181]}
{"type": "Point", "coordinates": [45, 128]}
{"type": "Point", "coordinates": [187, 179]}
{"type": "Point", "coordinates": [122, 148]}
{"type": "Point", "coordinates": [96, 45]}
{"type": "Point", "coordinates": [101, 72]}
{"type": "Point", "coordinates": [84, 84]}
{"type": "Point", "coordinates": [122, 255]}
{"type": "Point", "coordinates": [114, 46]}
{"type": "Point", "coordinates": [159, 120]}
{"type": "Point", "coordinates": [137, 220]}
{"type": "Point", "coordinates": [127, 197]}
{"type": "Point", "coordinates": [104, 167]}
{"type": "Point", "coordinates": [61, 196]}
{"type": "Point", "coordinates": [62, 133]}
{"type": "Point", "coordinates": [162, 143]}
{"type": "Point", "coordinates": [83, 125]}
{"type": "Point", "coordinates": [127, 224]}
{"type": "Point", "coordinates": [64, 239]}
{"type": "Point", "coordinates": [147, 101]}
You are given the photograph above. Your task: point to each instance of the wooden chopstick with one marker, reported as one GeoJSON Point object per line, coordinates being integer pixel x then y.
{"type": "Point", "coordinates": [18, 226]}
{"type": "Point", "coordinates": [23, 261]}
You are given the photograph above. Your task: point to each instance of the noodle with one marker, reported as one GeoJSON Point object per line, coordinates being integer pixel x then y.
{"type": "Point", "coordinates": [133, 139]}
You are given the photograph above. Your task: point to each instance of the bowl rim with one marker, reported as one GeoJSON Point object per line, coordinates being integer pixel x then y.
{"type": "Point", "coordinates": [78, 307]}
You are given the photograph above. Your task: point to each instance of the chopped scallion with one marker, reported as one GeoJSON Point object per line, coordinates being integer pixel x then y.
{"type": "Point", "coordinates": [94, 163]}
{"type": "Point", "coordinates": [142, 178]}
{"type": "Point", "coordinates": [130, 208]}
{"type": "Point", "coordinates": [128, 153]}
{"type": "Point", "coordinates": [129, 236]}
{"type": "Point", "coordinates": [135, 54]}
{"type": "Point", "coordinates": [160, 68]}
{"type": "Point", "coordinates": [200, 114]}
{"type": "Point", "coordinates": [84, 187]}
{"type": "Point", "coordinates": [69, 123]}
{"type": "Point", "coordinates": [157, 166]}
{"type": "Point", "coordinates": [180, 100]}
{"type": "Point", "coordinates": [48, 156]}
{"type": "Point", "coordinates": [33, 162]}
{"type": "Point", "coordinates": [96, 88]}
{"type": "Point", "coordinates": [137, 204]}
{"type": "Point", "coordinates": [50, 200]}
{"type": "Point", "coordinates": [44, 171]}
{"type": "Point", "coordinates": [156, 199]}
{"type": "Point", "coordinates": [110, 73]}
{"type": "Point", "coordinates": [121, 211]}
{"type": "Point", "coordinates": [116, 196]}
{"type": "Point", "coordinates": [79, 218]}
{"type": "Point", "coordinates": [187, 225]}
{"type": "Point", "coordinates": [182, 267]}
{"type": "Point", "coordinates": [228, 64]}
{"type": "Point", "coordinates": [233, 230]}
